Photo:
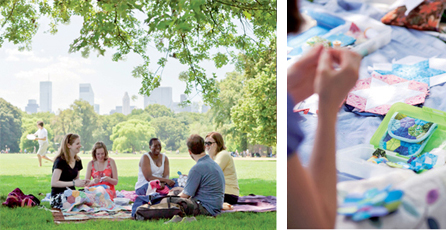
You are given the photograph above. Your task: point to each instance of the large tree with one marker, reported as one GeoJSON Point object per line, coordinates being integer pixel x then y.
{"type": "Point", "coordinates": [231, 90]}
{"type": "Point", "coordinates": [157, 110]}
{"type": "Point", "coordinates": [170, 130]}
{"type": "Point", "coordinates": [186, 30]}
{"type": "Point", "coordinates": [10, 126]}
{"type": "Point", "coordinates": [255, 112]}
{"type": "Point", "coordinates": [105, 128]}
{"type": "Point", "coordinates": [64, 123]}
{"type": "Point", "coordinates": [132, 135]}
{"type": "Point", "coordinates": [84, 112]}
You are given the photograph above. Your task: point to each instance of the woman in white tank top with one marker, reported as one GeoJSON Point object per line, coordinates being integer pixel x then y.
{"type": "Point", "coordinates": [153, 165]}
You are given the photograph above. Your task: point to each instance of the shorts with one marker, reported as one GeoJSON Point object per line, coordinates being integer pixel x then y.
{"type": "Point", "coordinates": [42, 149]}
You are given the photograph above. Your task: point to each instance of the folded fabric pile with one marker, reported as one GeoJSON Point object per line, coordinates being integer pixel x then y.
{"type": "Point", "coordinates": [373, 203]}
{"type": "Point", "coordinates": [418, 164]}
{"type": "Point", "coordinates": [93, 199]}
{"type": "Point", "coordinates": [126, 194]}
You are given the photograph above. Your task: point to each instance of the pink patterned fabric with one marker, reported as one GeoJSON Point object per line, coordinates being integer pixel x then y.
{"type": "Point", "coordinates": [129, 194]}
{"type": "Point", "coordinates": [364, 84]}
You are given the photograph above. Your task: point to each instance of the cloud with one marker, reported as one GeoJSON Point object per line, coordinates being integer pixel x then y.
{"type": "Point", "coordinates": [12, 58]}
{"type": "Point", "coordinates": [16, 55]}
{"type": "Point", "coordinates": [40, 59]}
{"type": "Point", "coordinates": [87, 71]}
{"type": "Point", "coordinates": [63, 69]}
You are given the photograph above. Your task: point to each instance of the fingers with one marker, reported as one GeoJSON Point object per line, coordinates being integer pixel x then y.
{"type": "Point", "coordinates": [313, 55]}
{"type": "Point", "coordinates": [325, 62]}
{"type": "Point", "coordinates": [345, 57]}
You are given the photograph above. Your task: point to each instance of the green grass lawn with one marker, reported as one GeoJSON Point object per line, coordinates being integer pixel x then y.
{"type": "Point", "coordinates": [21, 170]}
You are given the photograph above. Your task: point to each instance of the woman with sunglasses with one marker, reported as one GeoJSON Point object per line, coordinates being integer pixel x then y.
{"type": "Point", "coordinates": [215, 147]}
{"type": "Point", "coordinates": [66, 169]}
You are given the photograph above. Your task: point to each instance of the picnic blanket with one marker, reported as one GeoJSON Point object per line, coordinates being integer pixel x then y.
{"type": "Point", "coordinates": [92, 203]}
{"type": "Point", "coordinates": [352, 129]}
{"type": "Point", "coordinates": [257, 204]}
{"type": "Point", "coordinates": [60, 216]}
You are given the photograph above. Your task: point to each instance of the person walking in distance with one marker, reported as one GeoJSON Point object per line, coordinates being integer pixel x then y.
{"type": "Point", "coordinates": [42, 137]}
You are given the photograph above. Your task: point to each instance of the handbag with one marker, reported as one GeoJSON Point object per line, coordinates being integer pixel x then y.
{"type": "Point", "coordinates": [17, 198]}
{"type": "Point", "coordinates": [406, 135]}
{"type": "Point", "coordinates": [158, 211]}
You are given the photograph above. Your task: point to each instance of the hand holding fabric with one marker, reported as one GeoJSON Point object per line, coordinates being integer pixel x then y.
{"type": "Point", "coordinates": [301, 75]}
{"type": "Point", "coordinates": [81, 183]}
{"type": "Point", "coordinates": [332, 85]}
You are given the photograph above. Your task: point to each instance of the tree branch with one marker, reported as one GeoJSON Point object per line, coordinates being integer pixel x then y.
{"type": "Point", "coordinates": [10, 14]}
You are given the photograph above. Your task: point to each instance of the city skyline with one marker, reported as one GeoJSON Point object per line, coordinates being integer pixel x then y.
{"type": "Point", "coordinates": [86, 93]}
{"type": "Point", "coordinates": [22, 71]}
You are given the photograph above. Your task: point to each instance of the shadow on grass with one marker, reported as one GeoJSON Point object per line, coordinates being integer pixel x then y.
{"type": "Point", "coordinates": [35, 218]}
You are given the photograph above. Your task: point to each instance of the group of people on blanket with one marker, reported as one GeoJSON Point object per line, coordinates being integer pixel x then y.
{"type": "Point", "coordinates": [211, 181]}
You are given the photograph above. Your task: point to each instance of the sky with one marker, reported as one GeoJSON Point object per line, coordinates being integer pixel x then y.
{"type": "Point", "coordinates": [21, 72]}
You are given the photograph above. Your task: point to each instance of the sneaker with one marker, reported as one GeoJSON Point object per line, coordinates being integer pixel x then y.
{"type": "Point", "coordinates": [175, 219]}
{"type": "Point", "coordinates": [189, 219]}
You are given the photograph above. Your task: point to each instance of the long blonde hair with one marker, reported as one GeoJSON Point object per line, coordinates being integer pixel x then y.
{"type": "Point", "coordinates": [64, 151]}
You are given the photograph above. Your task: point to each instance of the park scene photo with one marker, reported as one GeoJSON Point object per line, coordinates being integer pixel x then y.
{"type": "Point", "coordinates": [138, 114]}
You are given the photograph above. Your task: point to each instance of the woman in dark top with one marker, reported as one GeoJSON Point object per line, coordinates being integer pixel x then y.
{"type": "Point", "coordinates": [66, 169]}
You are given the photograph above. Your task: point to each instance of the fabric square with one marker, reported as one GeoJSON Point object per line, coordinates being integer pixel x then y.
{"type": "Point", "coordinates": [378, 93]}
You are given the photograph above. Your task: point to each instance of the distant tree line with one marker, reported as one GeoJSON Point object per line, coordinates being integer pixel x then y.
{"type": "Point", "coordinates": [130, 133]}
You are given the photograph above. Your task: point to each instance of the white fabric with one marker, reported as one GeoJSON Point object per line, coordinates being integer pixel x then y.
{"type": "Point", "coordinates": [415, 187]}
{"type": "Point", "coordinates": [41, 133]}
{"type": "Point", "coordinates": [156, 171]}
{"type": "Point", "coordinates": [381, 93]}
{"type": "Point", "coordinates": [410, 5]}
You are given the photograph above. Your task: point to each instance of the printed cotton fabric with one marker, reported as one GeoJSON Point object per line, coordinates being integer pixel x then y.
{"type": "Point", "coordinates": [425, 16]}
{"type": "Point", "coordinates": [407, 135]}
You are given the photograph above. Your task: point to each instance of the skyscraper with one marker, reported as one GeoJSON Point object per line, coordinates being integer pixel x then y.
{"type": "Point", "coordinates": [86, 93]}
{"type": "Point", "coordinates": [96, 108]}
{"type": "Point", "coordinates": [32, 106]}
{"type": "Point", "coordinates": [183, 97]}
{"type": "Point", "coordinates": [160, 95]}
{"type": "Point", "coordinates": [118, 109]}
{"type": "Point", "coordinates": [126, 104]}
{"type": "Point", "coordinates": [46, 96]}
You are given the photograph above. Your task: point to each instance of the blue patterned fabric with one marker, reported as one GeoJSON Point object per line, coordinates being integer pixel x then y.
{"type": "Point", "coordinates": [420, 71]}
{"type": "Point", "coordinates": [345, 39]}
{"type": "Point", "coordinates": [407, 135]}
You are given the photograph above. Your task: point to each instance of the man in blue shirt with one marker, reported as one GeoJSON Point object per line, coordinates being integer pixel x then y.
{"type": "Point", "coordinates": [205, 184]}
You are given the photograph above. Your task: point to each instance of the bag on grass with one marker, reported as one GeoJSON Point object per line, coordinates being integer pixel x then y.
{"type": "Point", "coordinates": [158, 211]}
{"type": "Point", "coordinates": [18, 198]}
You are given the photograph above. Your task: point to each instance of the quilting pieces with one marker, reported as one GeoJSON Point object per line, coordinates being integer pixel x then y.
{"type": "Point", "coordinates": [373, 203]}
{"type": "Point", "coordinates": [379, 92]}
{"type": "Point", "coordinates": [406, 135]}
{"type": "Point", "coordinates": [418, 164]}
{"type": "Point", "coordinates": [91, 200]}
{"type": "Point", "coordinates": [430, 71]}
